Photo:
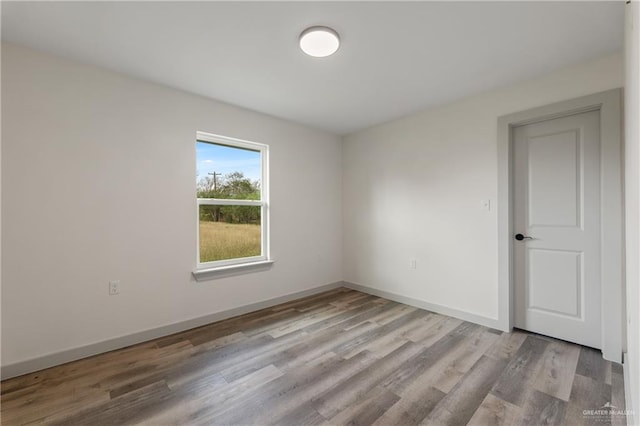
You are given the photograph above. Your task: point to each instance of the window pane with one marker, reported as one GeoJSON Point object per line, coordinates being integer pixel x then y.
{"type": "Point", "coordinates": [227, 172]}
{"type": "Point", "coordinates": [229, 232]}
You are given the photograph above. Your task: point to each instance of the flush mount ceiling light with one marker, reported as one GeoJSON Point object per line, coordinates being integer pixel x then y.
{"type": "Point", "coordinates": [319, 41]}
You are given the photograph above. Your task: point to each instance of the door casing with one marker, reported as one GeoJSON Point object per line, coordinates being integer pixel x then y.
{"type": "Point", "coordinates": [609, 103]}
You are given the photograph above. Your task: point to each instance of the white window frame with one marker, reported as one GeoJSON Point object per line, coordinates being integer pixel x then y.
{"type": "Point", "coordinates": [263, 203]}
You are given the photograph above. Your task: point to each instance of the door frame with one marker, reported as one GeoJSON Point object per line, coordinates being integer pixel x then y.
{"type": "Point", "coordinates": [609, 103]}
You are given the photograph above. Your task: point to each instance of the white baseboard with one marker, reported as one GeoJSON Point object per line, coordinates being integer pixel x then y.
{"type": "Point", "coordinates": [433, 307]}
{"type": "Point", "coordinates": [632, 417]}
{"type": "Point", "coordinates": [57, 358]}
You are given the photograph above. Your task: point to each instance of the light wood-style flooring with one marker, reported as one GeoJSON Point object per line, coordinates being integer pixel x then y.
{"type": "Point", "coordinates": [336, 358]}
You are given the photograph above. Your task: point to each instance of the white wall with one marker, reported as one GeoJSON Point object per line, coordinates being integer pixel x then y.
{"type": "Point", "coordinates": [632, 203]}
{"type": "Point", "coordinates": [413, 188]}
{"type": "Point", "coordinates": [0, 198]}
{"type": "Point", "coordinates": [98, 183]}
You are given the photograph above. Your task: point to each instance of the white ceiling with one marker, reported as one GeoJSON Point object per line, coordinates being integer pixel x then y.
{"type": "Point", "coordinates": [396, 57]}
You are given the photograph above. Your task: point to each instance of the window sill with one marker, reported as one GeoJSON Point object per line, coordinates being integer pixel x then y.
{"type": "Point", "coordinates": [226, 271]}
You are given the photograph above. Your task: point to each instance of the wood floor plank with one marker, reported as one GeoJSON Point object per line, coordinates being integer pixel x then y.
{"type": "Point", "coordinates": [591, 364]}
{"type": "Point", "coordinates": [351, 315]}
{"type": "Point", "coordinates": [345, 300]}
{"type": "Point", "coordinates": [459, 405]}
{"type": "Point", "coordinates": [278, 353]}
{"type": "Point", "coordinates": [353, 346]}
{"type": "Point", "coordinates": [543, 409]}
{"type": "Point", "coordinates": [86, 373]}
{"type": "Point", "coordinates": [418, 396]}
{"type": "Point", "coordinates": [432, 364]}
{"type": "Point", "coordinates": [365, 300]}
{"type": "Point", "coordinates": [430, 361]}
{"type": "Point", "coordinates": [123, 410]}
{"type": "Point", "coordinates": [416, 333]}
{"type": "Point", "coordinates": [429, 335]}
{"type": "Point", "coordinates": [306, 351]}
{"type": "Point", "coordinates": [559, 363]}
{"type": "Point", "coordinates": [396, 312]}
{"type": "Point", "coordinates": [368, 408]}
{"type": "Point", "coordinates": [251, 325]}
{"type": "Point", "coordinates": [516, 382]}
{"type": "Point", "coordinates": [316, 315]}
{"type": "Point", "coordinates": [382, 340]}
{"type": "Point", "coordinates": [139, 384]}
{"type": "Point", "coordinates": [271, 322]}
{"type": "Point", "coordinates": [305, 415]}
{"type": "Point", "coordinates": [210, 360]}
{"type": "Point", "coordinates": [338, 357]}
{"type": "Point", "coordinates": [339, 396]}
{"type": "Point", "coordinates": [381, 308]}
{"type": "Point", "coordinates": [410, 410]}
{"type": "Point", "coordinates": [617, 395]}
{"type": "Point", "coordinates": [327, 296]}
{"type": "Point", "coordinates": [201, 406]}
{"type": "Point", "coordinates": [251, 355]}
{"type": "Point", "coordinates": [42, 407]}
{"type": "Point", "coordinates": [588, 394]}
{"type": "Point", "coordinates": [283, 396]}
{"type": "Point", "coordinates": [463, 358]}
{"type": "Point", "coordinates": [495, 412]}
{"type": "Point", "coordinates": [507, 345]}
{"type": "Point", "coordinates": [617, 368]}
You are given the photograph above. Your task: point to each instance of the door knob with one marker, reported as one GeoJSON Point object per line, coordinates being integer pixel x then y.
{"type": "Point", "coordinates": [521, 237]}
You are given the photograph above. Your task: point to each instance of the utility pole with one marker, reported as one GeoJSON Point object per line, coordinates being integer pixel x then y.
{"type": "Point", "coordinates": [215, 182]}
{"type": "Point", "coordinates": [216, 212]}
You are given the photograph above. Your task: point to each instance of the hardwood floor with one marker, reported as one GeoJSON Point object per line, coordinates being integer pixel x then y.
{"type": "Point", "coordinates": [340, 357]}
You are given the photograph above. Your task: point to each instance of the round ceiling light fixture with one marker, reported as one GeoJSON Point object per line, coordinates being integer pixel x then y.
{"type": "Point", "coordinates": [319, 41]}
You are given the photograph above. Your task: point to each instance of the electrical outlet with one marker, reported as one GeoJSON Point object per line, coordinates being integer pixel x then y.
{"type": "Point", "coordinates": [412, 263]}
{"type": "Point", "coordinates": [114, 288]}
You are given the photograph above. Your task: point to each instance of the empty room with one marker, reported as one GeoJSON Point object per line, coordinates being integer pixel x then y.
{"type": "Point", "coordinates": [320, 213]}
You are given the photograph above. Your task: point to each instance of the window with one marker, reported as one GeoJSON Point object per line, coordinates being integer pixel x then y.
{"type": "Point", "coordinates": [232, 194]}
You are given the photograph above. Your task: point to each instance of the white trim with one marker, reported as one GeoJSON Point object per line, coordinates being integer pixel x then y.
{"type": "Point", "coordinates": [433, 307]}
{"type": "Point", "coordinates": [214, 268]}
{"type": "Point", "coordinates": [225, 263]}
{"type": "Point", "coordinates": [609, 104]}
{"type": "Point", "coordinates": [232, 142]}
{"type": "Point", "coordinates": [232, 269]}
{"type": "Point", "coordinates": [57, 358]}
{"type": "Point", "coordinates": [228, 202]}
{"type": "Point", "coordinates": [628, 399]}
{"type": "Point", "coordinates": [266, 206]}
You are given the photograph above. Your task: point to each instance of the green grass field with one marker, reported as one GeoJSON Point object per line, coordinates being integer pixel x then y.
{"type": "Point", "coordinates": [220, 240]}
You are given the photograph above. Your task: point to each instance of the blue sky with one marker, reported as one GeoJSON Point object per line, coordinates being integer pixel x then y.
{"type": "Point", "coordinates": [224, 159]}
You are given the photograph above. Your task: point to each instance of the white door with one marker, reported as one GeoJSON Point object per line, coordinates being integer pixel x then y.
{"type": "Point", "coordinates": [557, 203]}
